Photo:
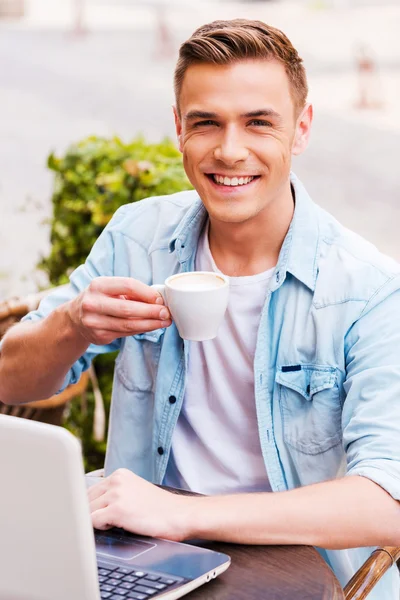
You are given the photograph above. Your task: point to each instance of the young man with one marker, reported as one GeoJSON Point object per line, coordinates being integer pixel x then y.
{"type": "Point", "coordinates": [299, 393]}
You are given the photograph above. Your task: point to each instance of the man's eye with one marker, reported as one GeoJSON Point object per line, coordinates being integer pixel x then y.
{"type": "Point", "coordinates": [207, 123]}
{"type": "Point", "coordinates": [260, 123]}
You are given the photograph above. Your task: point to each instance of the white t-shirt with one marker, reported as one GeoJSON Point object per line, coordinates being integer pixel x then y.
{"type": "Point", "coordinates": [216, 446]}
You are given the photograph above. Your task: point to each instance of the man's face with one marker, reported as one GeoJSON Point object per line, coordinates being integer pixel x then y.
{"type": "Point", "coordinates": [237, 130]}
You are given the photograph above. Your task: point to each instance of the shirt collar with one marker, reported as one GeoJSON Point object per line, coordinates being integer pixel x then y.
{"type": "Point", "coordinates": [298, 254]}
{"type": "Point", "coordinates": [186, 235]}
{"type": "Point", "coordinates": [299, 251]}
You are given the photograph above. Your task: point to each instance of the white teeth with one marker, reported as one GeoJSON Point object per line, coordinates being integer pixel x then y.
{"type": "Point", "coordinates": [234, 182]}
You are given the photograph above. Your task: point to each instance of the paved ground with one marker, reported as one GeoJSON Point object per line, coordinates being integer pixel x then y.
{"type": "Point", "coordinates": [56, 87]}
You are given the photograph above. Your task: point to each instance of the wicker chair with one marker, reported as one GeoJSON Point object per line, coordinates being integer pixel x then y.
{"type": "Point", "coordinates": [49, 410]}
{"type": "Point", "coordinates": [371, 572]}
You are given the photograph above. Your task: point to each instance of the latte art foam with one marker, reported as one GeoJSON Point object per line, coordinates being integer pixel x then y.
{"type": "Point", "coordinates": [196, 282]}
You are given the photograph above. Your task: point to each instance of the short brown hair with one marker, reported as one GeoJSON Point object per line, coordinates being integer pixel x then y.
{"type": "Point", "coordinates": [226, 42]}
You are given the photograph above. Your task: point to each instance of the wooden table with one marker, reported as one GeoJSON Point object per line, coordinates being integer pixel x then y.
{"type": "Point", "coordinates": [271, 573]}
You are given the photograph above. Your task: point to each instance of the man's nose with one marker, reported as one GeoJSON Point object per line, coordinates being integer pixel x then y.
{"type": "Point", "coordinates": [231, 149]}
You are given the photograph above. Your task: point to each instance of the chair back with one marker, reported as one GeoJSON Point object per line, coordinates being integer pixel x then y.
{"type": "Point", "coordinates": [371, 572]}
{"type": "Point", "coordinates": [50, 410]}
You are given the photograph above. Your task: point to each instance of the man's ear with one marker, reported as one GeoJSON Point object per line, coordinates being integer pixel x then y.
{"type": "Point", "coordinates": [303, 130]}
{"type": "Point", "coordinates": [178, 127]}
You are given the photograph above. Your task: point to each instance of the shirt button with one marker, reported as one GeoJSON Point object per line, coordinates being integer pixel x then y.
{"type": "Point", "coordinates": [160, 450]}
{"type": "Point", "coordinates": [172, 399]}
{"type": "Point", "coordinates": [277, 276]}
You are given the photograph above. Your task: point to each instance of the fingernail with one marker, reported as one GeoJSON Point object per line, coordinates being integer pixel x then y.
{"type": "Point", "coordinates": [166, 323]}
{"type": "Point", "coordinates": [164, 314]}
{"type": "Point", "coordinates": [159, 300]}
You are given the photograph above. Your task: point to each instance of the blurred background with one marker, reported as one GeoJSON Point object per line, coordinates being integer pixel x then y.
{"type": "Point", "coordinates": [103, 68]}
{"type": "Point", "coordinates": [72, 68]}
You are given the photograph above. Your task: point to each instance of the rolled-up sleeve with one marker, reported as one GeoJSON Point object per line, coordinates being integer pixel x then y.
{"type": "Point", "coordinates": [371, 411]}
{"type": "Point", "coordinates": [100, 262]}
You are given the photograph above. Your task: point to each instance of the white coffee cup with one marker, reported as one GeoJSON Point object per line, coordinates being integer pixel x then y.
{"type": "Point", "coordinates": [197, 301]}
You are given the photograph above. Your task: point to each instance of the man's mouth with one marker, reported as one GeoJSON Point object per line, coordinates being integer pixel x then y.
{"type": "Point", "coordinates": [236, 181]}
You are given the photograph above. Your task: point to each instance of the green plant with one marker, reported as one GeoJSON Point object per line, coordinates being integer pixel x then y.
{"type": "Point", "coordinates": [94, 178]}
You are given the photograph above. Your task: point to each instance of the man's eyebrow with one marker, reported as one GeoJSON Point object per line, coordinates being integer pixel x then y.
{"type": "Point", "coordinates": [200, 114]}
{"type": "Point", "coordinates": [254, 114]}
{"type": "Point", "coordinates": [262, 112]}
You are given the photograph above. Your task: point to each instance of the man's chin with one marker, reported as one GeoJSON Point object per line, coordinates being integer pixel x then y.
{"type": "Point", "coordinates": [229, 215]}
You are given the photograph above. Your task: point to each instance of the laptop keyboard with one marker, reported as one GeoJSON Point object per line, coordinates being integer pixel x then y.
{"type": "Point", "coordinates": [122, 583]}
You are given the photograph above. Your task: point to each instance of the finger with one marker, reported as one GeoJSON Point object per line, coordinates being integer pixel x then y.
{"type": "Point", "coordinates": [125, 309]}
{"type": "Point", "coordinates": [101, 519]}
{"type": "Point", "coordinates": [98, 503]}
{"type": "Point", "coordinates": [95, 491]}
{"type": "Point", "coordinates": [124, 327]}
{"type": "Point", "coordinates": [127, 286]}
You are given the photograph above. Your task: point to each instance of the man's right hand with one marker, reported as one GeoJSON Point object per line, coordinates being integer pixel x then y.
{"type": "Point", "coordinates": [114, 307]}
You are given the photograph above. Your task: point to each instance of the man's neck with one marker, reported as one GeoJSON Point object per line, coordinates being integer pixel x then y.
{"type": "Point", "coordinates": [253, 246]}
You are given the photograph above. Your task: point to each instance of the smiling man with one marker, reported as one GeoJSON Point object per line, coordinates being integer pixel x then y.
{"type": "Point", "coordinates": [289, 420]}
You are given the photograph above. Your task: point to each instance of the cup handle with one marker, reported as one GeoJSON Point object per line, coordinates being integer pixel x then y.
{"type": "Point", "coordinates": [160, 288]}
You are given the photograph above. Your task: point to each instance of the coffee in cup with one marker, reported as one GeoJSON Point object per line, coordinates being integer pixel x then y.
{"type": "Point", "coordinates": [197, 301]}
{"type": "Point", "coordinates": [196, 281]}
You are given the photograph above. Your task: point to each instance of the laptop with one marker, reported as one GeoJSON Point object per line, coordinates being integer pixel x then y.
{"type": "Point", "coordinates": [48, 548]}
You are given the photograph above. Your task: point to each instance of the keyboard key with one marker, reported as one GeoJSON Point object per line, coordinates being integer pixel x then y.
{"type": "Point", "coordinates": [152, 584]}
{"type": "Point", "coordinates": [104, 595]}
{"type": "Point", "coordinates": [126, 585]}
{"type": "Point", "coordinates": [129, 578]}
{"type": "Point", "coordinates": [106, 588]}
{"type": "Point", "coordinates": [125, 570]}
{"type": "Point", "coordinates": [104, 571]}
{"type": "Point", "coordinates": [145, 590]}
{"type": "Point", "coordinates": [121, 592]}
{"type": "Point", "coordinates": [139, 574]}
{"type": "Point", "coordinates": [113, 582]}
{"type": "Point", "coordinates": [116, 575]}
{"type": "Point", "coordinates": [167, 580]}
{"type": "Point", "coordinates": [152, 577]}
{"type": "Point", "coordinates": [136, 596]}
{"type": "Point", "coordinates": [102, 578]}
{"type": "Point", "coordinates": [117, 597]}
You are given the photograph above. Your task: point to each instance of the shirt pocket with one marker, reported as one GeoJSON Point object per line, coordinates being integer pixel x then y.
{"type": "Point", "coordinates": [311, 407]}
{"type": "Point", "coordinates": [137, 363]}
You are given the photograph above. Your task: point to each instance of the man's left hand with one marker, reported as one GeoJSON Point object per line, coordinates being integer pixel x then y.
{"type": "Point", "coordinates": [125, 500]}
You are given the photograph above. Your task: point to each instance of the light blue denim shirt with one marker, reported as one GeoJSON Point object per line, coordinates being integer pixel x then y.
{"type": "Point", "coordinates": [327, 363]}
